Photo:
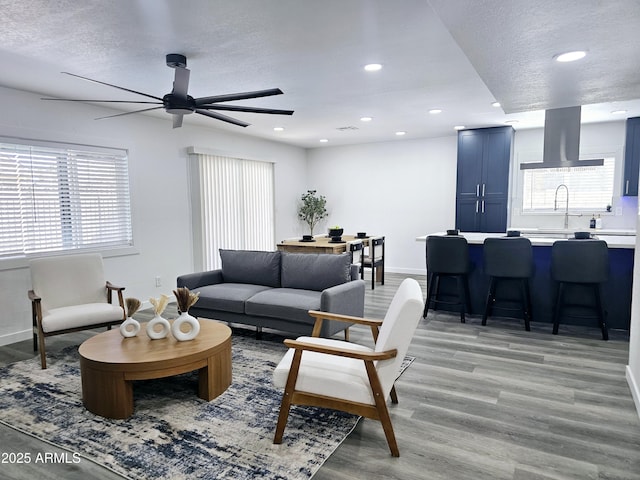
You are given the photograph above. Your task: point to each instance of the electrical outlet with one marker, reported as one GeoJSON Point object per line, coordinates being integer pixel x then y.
{"type": "Point", "coordinates": [158, 282]}
{"type": "Point", "coordinates": [618, 211]}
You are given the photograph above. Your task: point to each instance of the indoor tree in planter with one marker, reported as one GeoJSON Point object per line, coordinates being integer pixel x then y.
{"type": "Point", "coordinates": [312, 209]}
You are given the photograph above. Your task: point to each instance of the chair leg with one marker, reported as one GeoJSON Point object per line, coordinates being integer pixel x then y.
{"type": "Point", "coordinates": [526, 314]}
{"type": "Point", "coordinates": [258, 333]}
{"type": "Point", "coordinates": [491, 298]}
{"type": "Point", "coordinates": [529, 303]}
{"type": "Point", "coordinates": [381, 407]}
{"type": "Point", "coordinates": [346, 334]}
{"type": "Point", "coordinates": [557, 310]}
{"type": "Point", "coordinates": [462, 297]}
{"type": "Point", "coordinates": [43, 355]}
{"type": "Point", "coordinates": [467, 293]}
{"type": "Point", "coordinates": [287, 395]}
{"type": "Point", "coordinates": [601, 313]}
{"type": "Point", "coordinates": [432, 278]}
{"type": "Point", "coordinates": [394, 395]}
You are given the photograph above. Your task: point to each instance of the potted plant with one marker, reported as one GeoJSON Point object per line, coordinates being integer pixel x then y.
{"type": "Point", "coordinates": [336, 231]}
{"type": "Point", "coordinates": [312, 209]}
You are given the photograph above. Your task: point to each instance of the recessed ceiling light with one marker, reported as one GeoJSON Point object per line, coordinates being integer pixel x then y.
{"type": "Point", "coordinates": [511, 122]}
{"type": "Point", "coordinates": [618, 112]}
{"type": "Point", "coordinates": [435, 111]}
{"type": "Point", "coordinates": [570, 56]}
{"type": "Point", "coordinates": [278, 129]}
{"type": "Point", "coordinates": [401, 133]}
{"type": "Point", "coordinates": [459, 127]}
{"type": "Point", "coordinates": [324, 140]}
{"type": "Point", "coordinates": [366, 119]}
{"type": "Point", "coordinates": [496, 104]}
{"type": "Point", "coordinates": [372, 67]}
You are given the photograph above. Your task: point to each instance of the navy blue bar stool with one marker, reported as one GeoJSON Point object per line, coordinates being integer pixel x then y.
{"type": "Point", "coordinates": [508, 260]}
{"type": "Point", "coordinates": [580, 265]}
{"type": "Point", "coordinates": [448, 256]}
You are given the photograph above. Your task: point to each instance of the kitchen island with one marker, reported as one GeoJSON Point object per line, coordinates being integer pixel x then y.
{"type": "Point", "coordinates": [616, 292]}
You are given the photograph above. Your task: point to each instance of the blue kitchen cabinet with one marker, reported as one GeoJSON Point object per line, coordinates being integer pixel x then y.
{"type": "Point", "coordinates": [482, 189]}
{"type": "Point", "coordinates": [631, 158]}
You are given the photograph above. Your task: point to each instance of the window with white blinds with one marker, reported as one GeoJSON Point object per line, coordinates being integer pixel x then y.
{"type": "Point", "coordinates": [234, 207]}
{"type": "Point", "coordinates": [590, 188]}
{"type": "Point", "coordinates": [62, 197]}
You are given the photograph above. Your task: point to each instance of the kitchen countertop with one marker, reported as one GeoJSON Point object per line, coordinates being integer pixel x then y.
{"type": "Point", "coordinates": [546, 237]}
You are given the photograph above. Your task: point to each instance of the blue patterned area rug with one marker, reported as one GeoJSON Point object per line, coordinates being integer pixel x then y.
{"type": "Point", "coordinates": [173, 434]}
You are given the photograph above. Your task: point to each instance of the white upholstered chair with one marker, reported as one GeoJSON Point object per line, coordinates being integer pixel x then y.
{"type": "Point", "coordinates": [349, 377]}
{"type": "Point", "coordinates": [69, 293]}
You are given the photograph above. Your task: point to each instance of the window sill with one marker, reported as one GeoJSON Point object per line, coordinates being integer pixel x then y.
{"type": "Point", "coordinates": [14, 263]}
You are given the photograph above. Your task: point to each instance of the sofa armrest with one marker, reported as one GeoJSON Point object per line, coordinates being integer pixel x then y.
{"type": "Point", "coordinates": [346, 298]}
{"type": "Point", "coordinates": [200, 279]}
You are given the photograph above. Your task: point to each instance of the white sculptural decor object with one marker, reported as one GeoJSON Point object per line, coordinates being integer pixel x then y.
{"type": "Point", "coordinates": [185, 300]}
{"type": "Point", "coordinates": [130, 327]}
{"type": "Point", "coordinates": [158, 307]}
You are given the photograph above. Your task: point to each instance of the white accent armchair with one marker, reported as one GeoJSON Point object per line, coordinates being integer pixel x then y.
{"type": "Point", "coordinates": [69, 294]}
{"type": "Point", "coordinates": [349, 377]}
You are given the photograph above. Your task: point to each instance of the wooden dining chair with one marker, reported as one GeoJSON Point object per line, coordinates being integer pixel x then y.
{"type": "Point", "coordinates": [374, 259]}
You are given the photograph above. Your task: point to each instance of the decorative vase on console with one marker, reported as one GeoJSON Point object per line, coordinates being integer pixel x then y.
{"type": "Point", "coordinates": [185, 300]}
{"type": "Point", "coordinates": [130, 327]}
{"type": "Point", "coordinates": [165, 327]}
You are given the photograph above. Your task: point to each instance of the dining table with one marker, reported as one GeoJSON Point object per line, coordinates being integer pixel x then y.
{"type": "Point", "coordinates": [320, 244]}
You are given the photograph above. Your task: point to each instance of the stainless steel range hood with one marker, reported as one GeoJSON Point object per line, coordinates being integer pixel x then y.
{"type": "Point", "coordinates": [562, 141]}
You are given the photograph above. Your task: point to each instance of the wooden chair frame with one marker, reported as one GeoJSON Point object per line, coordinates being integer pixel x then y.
{"type": "Point", "coordinates": [372, 262]}
{"type": "Point", "coordinates": [39, 334]}
{"type": "Point", "coordinates": [379, 411]}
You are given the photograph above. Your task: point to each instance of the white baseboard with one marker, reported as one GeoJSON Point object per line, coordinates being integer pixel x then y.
{"type": "Point", "coordinates": [635, 389]}
{"type": "Point", "coordinates": [407, 271]}
{"type": "Point", "coordinates": [15, 337]}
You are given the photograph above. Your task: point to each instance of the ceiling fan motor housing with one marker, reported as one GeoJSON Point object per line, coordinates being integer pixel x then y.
{"type": "Point", "coordinates": [173, 104]}
{"type": "Point", "coordinates": [176, 60]}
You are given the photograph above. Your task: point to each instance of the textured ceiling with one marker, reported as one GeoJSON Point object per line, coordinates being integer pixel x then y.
{"type": "Point", "coordinates": [456, 55]}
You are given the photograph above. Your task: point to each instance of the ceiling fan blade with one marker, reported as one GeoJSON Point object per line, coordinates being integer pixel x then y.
{"type": "Point", "coordinates": [234, 108]}
{"type": "Point", "coordinates": [97, 101]}
{"type": "Point", "coordinates": [224, 118]}
{"type": "Point", "coordinates": [181, 83]}
{"type": "Point", "coordinates": [129, 113]}
{"type": "Point", "coordinates": [114, 86]}
{"type": "Point", "coordinates": [237, 96]}
{"type": "Point", "coordinates": [177, 120]}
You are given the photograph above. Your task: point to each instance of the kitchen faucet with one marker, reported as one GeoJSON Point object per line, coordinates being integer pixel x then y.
{"type": "Point", "coordinates": [566, 210]}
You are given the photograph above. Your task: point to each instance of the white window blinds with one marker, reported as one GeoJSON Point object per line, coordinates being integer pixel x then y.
{"type": "Point", "coordinates": [234, 207]}
{"type": "Point", "coordinates": [590, 188]}
{"type": "Point", "coordinates": [56, 198]}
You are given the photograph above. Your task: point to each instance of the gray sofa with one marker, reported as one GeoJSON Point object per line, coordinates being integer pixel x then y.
{"type": "Point", "coordinates": [277, 289]}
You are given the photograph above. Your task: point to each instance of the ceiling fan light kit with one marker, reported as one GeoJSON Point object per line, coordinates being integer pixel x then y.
{"type": "Point", "coordinates": [178, 103]}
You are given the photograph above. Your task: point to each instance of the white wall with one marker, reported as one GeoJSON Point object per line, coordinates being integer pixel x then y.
{"type": "Point", "coordinates": [160, 200]}
{"type": "Point", "coordinates": [595, 139]}
{"type": "Point", "coordinates": [400, 189]}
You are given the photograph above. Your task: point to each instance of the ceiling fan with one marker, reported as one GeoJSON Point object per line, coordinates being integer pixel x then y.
{"type": "Point", "coordinates": [179, 103]}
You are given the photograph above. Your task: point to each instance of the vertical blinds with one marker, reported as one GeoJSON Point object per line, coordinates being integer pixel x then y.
{"type": "Point", "coordinates": [55, 198]}
{"type": "Point", "coordinates": [236, 205]}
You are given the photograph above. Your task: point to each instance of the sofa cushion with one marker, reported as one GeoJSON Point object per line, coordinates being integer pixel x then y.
{"type": "Point", "coordinates": [284, 303]}
{"type": "Point", "coordinates": [249, 266]}
{"type": "Point", "coordinates": [227, 297]}
{"type": "Point", "coordinates": [315, 271]}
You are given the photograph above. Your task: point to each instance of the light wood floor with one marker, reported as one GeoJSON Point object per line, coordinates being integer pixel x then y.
{"type": "Point", "coordinates": [491, 402]}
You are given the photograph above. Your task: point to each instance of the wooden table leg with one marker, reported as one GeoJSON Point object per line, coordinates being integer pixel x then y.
{"type": "Point", "coordinates": [215, 378]}
{"type": "Point", "coordinates": [106, 393]}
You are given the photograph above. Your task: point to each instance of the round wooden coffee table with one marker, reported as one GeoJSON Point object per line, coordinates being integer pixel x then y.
{"type": "Point", "coordinates": [109, 363]}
